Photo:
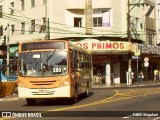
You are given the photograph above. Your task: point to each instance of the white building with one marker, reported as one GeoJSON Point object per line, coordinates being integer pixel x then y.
{"type": "Point", "coordinates": [67, 19]}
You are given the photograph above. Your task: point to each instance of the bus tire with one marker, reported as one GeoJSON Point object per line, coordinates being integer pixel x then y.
{"type": "Point", "coordinates": [74, 99]}
{"type": "Point", "coordinates": [86, 94]}
{"type": "Point", "coordinates": [31, 101]}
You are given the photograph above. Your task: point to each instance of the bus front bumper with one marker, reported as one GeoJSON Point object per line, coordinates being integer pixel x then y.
{"type": "Point", "coordinates": [61, 92]}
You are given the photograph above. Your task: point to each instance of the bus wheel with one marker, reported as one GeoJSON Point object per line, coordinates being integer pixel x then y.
{"type": "Point", "coordinates": [87, 91]}
{"type": "Point", "coordinates": [75, 97]}
{"type": "Point", "coordinates": [31, 101]}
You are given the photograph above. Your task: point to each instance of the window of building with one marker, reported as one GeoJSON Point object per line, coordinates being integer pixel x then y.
{"type": "Point", "coordinates": [77, 22]}
{"type": "Point", "coordinates": [137, 20]}
{"type": "Point", "coordinates": [43, 26]}
{"type": "Point", "coordinates": [12, 8]}
{"type": "Point", "coordinates": [1, 12]}
{"type": "Point", "coordinates": [1, 30]}
{"type": "Point", "coordinates": [12, 4]}
{"type": "Point", "coordinates": [12, 29]}
{"type": "Point", "coordinates": [32, 28]}
{"type": "Point", "coordinates": [22, 5]}
{"type": "Point", "coordinates": [106, 18]}
{"type": "Point", "coordinates": [32, 3]}
{"type": "Point", "coordinates": [97, 22]}
{"type": "Point", "coordinates": [22, 28]}
{"type": "Point", "coordinates": [44, 20]}
{"type": "Point", "coordinates": [150, 37]}
{"type": "Point", "coordinates": [44, 1]}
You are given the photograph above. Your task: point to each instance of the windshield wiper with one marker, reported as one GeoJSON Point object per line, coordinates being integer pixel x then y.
{"type": "Point", "coordinates": [50, 56]}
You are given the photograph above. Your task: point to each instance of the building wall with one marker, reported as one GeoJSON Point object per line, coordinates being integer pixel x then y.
{"type": "Point", "coordinates": [61, 15]}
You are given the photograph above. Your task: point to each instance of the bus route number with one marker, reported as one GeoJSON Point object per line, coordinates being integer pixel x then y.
{"type": "Point", "coordinates": [57, 70]}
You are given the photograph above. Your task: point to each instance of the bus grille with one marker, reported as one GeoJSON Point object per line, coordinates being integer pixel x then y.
{"type": "Point", "coordinates": [43, 92]}
{"type": "Point", "coordinates": [43, 82]}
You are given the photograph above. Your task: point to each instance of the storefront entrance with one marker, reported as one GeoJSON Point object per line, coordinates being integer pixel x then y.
{"type": "Point", "coordinates": [106, 70]}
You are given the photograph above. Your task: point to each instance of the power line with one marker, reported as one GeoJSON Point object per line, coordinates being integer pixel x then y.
{"type": "Point", "coordinates": [58, 29]}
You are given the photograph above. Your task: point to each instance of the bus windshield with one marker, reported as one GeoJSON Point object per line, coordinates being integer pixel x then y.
{"type": "Point", "coordinates": [46, 63]}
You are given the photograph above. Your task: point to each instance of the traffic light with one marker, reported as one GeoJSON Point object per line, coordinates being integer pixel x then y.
{"type": "Point", "coordinates": [1, 13]}
{"type": "Point", "coordinates": [1, 30]}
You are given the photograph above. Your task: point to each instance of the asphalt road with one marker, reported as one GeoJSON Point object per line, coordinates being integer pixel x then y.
{"type": "Point", "coordinates": [116, 103]}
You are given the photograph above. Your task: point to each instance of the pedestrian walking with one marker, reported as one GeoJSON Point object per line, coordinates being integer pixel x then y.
{"type": "Point", "coordinates": [141, 77]}
{"type": "Point", "coordinates": [155, 75]}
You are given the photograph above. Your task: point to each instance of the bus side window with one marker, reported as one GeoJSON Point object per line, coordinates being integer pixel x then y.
{"type": "Point", "coordinates": [75, 59]}
{"type": "Point", "coordinates": [72, 58]}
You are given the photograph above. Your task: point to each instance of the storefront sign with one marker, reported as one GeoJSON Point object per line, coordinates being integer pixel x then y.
{"type": "Point", "coordinates": [149, 49]}
{"type": "Point", "coordinates": [100, 58]}
{"type": "Point", "coordinates": [146, 64]}
{"type": "Point", "coordinates": [104, 59]}
{"type": "Point", "coordinates": [13, 50]}
{"type": "Point", "coordinates": [104, 45]}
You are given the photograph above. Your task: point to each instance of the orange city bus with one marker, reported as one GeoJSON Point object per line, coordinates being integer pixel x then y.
{"type": "Point", "coordinates": [53, 69]}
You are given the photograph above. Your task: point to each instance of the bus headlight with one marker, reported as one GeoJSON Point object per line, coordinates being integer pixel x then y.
{"type": "Point", "coordinates": [64, 83]}
{"type": "Point", "coordinates": [22, 84]}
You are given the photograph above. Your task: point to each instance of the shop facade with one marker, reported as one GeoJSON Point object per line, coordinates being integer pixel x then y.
{"type": "Point", "coordinates": [109, 60]}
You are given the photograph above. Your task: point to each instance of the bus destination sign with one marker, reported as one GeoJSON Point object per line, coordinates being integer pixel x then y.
{"type": "Point", "coordinates": [43, 45]}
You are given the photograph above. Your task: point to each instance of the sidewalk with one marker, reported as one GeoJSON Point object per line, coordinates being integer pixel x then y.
{"type": "Point", "coordinates": [10, 97]}
{"type": "Point", "coordinates": [124, 85]}
{"type": "Point", "coordinates": [98, 86]}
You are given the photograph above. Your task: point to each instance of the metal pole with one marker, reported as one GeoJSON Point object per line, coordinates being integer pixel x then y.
{"type": "Point", "coordinates": [128, 36]}
{"type": "Point", "coordinates": [46, 20]}
{"type": "Point", "coordinates": [146, 76]}
{"type": "Point", "coordinates": [128, 22]}
{"type": "Point", "coordinates": [137, 69]}
{"type": "Point", "coordinates": [8, 37]}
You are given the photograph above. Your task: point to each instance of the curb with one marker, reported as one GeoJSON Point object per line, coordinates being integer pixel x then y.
{"type": "Point", "coordinates": [9, 98]}
{"type": "Point", "coordinates": [124, 86]}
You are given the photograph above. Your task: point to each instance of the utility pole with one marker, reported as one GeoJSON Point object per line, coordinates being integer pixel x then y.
{"type": "Point", "coordinates": [8, 39]}
{"type": "Point", "coordinates": [47, 21]}
{"type": "Point", "coordinates": [128, 36]}
{"type": "Point", "coordinates": [88, 16]}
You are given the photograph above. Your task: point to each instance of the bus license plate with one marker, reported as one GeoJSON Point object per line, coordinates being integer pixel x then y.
{"type": "Point", "coordinates": [43, 91]}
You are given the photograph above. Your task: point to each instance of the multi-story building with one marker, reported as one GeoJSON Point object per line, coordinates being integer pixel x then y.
{"type": "Point", "coordinates": [110, 29]}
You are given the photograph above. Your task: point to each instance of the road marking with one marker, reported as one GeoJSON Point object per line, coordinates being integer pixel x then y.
{"type": "Point", "coordinates": [119, 95]}
{"type": "Point", "coordinates": [110, 99]}
{"type": "Point", "coordinates": [85, 105]}
{"type": "Point", "coordinates": [156, 118]}
{"type": "Point", "coordinates": [127, 116]}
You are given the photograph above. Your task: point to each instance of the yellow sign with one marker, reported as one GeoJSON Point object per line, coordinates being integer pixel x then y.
{"type": "Point", "coordinates": [104, 45]}
{"type": "Point", "coordinates": [137, 52]}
